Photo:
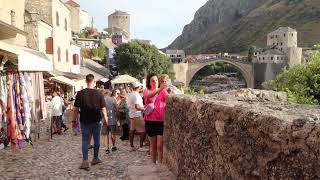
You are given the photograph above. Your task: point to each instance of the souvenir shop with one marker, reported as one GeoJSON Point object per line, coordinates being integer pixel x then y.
{"type": "Point", "coordinates": [21, 94]}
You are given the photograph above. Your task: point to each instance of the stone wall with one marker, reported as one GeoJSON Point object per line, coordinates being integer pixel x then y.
{"type": "Point", "coordinates": [266, 71]}
{"type": "Point", "coordinates": [244, 134]}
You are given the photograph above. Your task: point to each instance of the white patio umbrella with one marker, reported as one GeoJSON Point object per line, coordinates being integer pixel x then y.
{"type": "Point", "coordinates": [124, 79]}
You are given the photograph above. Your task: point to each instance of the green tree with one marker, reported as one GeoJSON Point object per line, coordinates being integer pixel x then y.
{"type": "Point", "coordinates": [301, 82]}
{"type": "Point", "coordinates": [139, 59]}
{"type": "Point", "coordinates": [100, 52]}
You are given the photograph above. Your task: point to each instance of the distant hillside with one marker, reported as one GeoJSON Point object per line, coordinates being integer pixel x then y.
{"type": "Point", "coordinates": [234, 25]}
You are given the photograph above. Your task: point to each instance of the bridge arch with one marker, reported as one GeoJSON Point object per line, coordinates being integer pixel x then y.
{"type": "Point", "coordinates": [245, 68]}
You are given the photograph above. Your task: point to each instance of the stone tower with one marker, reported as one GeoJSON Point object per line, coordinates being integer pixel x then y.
{"type": "Point", "coordinates": [285, 40]}
{"type": "Point", "coordinates": [119, 23]}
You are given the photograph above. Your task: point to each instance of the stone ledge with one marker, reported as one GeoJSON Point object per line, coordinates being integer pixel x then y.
{"type": "Point", "coordinates": [149, 172]}
{"type": "Point", "coordinates": [224, 137]}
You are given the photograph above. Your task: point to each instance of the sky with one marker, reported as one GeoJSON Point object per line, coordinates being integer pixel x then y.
{"type": "Point", "coordinates": [160, 21]}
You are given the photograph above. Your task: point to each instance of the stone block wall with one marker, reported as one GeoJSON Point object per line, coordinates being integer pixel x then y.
{"type": "Point", "coordinates": [246, 134]}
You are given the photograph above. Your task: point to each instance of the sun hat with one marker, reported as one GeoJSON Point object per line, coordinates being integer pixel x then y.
{"type": "Point", "coordinates": [136, 84]}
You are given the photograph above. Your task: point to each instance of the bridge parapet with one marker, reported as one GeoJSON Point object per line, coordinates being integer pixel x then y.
{"type": "Point", "coordinates": [205, 60]}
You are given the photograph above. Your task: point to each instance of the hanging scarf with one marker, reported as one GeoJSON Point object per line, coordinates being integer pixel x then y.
{"type": "Point", "coordinates": [11, 115]}
{"type": "Point", "coordinates": [25, 104]}
{"type": "Point", "coordinates": [3, 108]}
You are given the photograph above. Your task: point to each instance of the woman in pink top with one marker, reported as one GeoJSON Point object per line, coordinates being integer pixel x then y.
{"type": "Point", "coordinates": [154, 121]}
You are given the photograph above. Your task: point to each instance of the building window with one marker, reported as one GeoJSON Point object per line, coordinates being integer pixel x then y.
{"type": "Point", "coordinates": [292, 34]}
{"type": "Point", "coordinates": [284, 35]}
{"type": "Point", "coordinates": [59, 54]}
{"type": "Point", "coordinates": [259, 58]}
{"type": "Point", "coordinates": [65, 24]}
{"type": "Point", "coordinates": [57, 19]}
{"type": "Point", "coordinates": [75, 59]}
{"type": "Point", "coordinates": [277, 57]}
{"type": "Point", "coordinates": [271, 58]}
{"type": "Point", "coordinates": [274, 43]}
{"type": "Point", "coordinates": [67, 55]}
{"type": "Point", "coordinates": [280, 49]}
{"type": "Point", "coordinates": [281, 58]}
{"type": "Point", "coordinates": [13, 18]}
{"type": "Point", "coordinates": [277, 44]}
{"type": "Point", "coordinates": [262, 58]}
{"type": "Point", "coordinates": [49, 45]}
{"type": "Point", "coordinates": [276, 36]}
{"type": "Point", "coordinates": [281, 44]}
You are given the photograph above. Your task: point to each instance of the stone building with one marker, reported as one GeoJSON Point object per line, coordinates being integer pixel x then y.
{"type": "Point", "coordinates": [87, 43]}
{"type": "Point", "coordinates": [12, 22]}
{"type": "Point", "coordinates": [85, 19]}
{"type": "Point", "coordinates": [282, 47]}
{"type": "Point", "coordinates": [49, 31]}
{"type": "Point", "coordinates": [13, 39]}
{"type": "Point", "coordinates": [119, 39]}
{"type": "Point", "coordinates": [74, 16]}
{"type": "Point", "coordinates": [119, 24]}
{"type": "Point", "coordinates": [176, 56]}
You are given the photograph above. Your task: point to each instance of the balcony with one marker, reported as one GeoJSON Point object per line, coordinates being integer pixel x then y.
{"type": "Point", "coordinates": [8, 31]}
{"type": "Point", "coordinates": [8, 21]}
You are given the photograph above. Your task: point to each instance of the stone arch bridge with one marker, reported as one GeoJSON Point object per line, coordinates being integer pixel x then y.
{"type": "Point", "coordinates": [185, 71]}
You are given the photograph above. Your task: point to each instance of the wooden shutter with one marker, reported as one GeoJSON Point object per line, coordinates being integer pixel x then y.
{"type": "Point", "coordinates": [75, 59]}
{"type": "Point", "coordinates": [49, 45]}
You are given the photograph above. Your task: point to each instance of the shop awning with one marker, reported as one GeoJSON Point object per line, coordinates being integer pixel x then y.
{"type": "Point", "coordinates": [28, 59]}
{"type": "Point", "coordinates": [63, 80]}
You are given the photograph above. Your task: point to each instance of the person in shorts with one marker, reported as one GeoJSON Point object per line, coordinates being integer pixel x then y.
{"type": "Point", "coordinates": [135, 115]}
{"type": "Point", "coordinates": [155, 93]}
{"type": "Point", "coordinates": [108, 130]}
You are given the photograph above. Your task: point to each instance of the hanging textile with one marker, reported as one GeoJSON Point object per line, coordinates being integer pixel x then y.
{"type": "Point", "coordinates": [21, 106]}
{"type": "Point", "coordinates": [3, 109]}
{"type": "Point", "coordinates": [26, 108]}
{"type": "Point", "coordinates": [11, 114]}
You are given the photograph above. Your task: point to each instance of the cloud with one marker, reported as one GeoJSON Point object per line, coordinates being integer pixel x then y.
{"type": "Point", "coordinates": [155, 19]}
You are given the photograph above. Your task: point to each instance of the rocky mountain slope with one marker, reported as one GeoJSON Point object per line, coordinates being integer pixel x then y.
{"type": "Point", "coordinates": [234, 25]}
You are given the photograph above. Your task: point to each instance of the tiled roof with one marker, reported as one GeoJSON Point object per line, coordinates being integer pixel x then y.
{"type": "Point", "coordinates": [72, 3]}
{"type": "Point", "coordinates": [273, 51]}
{"type": "Point", "coordinates": [96, 67]}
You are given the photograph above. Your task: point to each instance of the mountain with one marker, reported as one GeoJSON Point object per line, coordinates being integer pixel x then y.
{"type": "Point", "coordinates": [234, 25]}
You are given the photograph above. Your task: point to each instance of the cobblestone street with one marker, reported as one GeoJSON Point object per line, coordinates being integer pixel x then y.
{"type": "Point", "coordinates": [61, 157]}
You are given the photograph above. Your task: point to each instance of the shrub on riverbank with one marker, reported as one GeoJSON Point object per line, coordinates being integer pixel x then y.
{"type": "Point", "coordinates": [301, 82]}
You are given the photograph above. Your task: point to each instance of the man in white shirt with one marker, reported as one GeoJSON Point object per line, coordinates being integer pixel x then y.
{"type": "Point", "coordinates": [135, 114]}
{"type": "Point", "coordinates": [56, 112]}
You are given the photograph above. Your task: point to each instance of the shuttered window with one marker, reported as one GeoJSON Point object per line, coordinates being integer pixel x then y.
{"type": "Point", "coordinates": [75, 59]}
{"type": "Point", "coordinates": [49, 45]}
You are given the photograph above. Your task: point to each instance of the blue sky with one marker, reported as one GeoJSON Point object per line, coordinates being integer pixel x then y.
{"type": "Point", "coordinates": [160, 21]}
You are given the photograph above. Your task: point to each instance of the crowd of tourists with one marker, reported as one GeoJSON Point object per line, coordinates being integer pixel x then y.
{"type": "Point", "coordinates": [100, 112]}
